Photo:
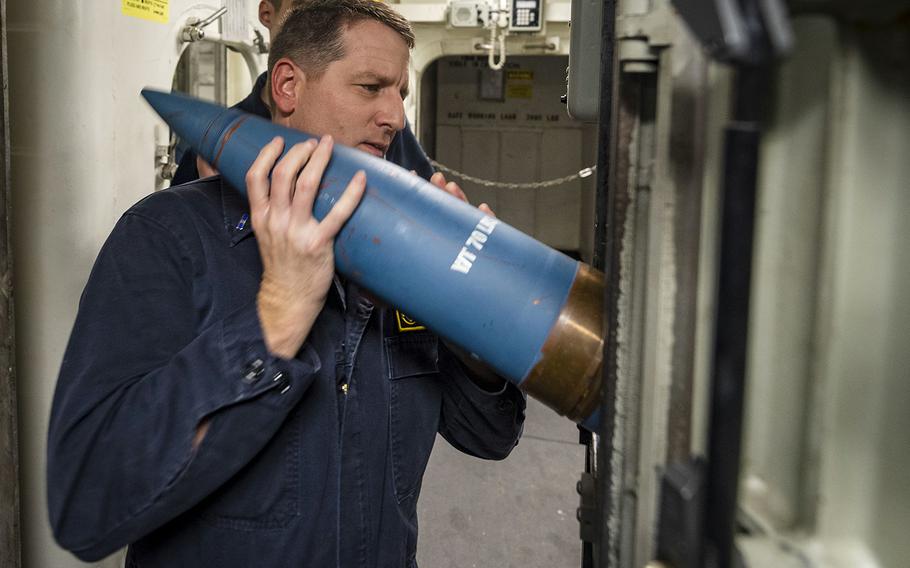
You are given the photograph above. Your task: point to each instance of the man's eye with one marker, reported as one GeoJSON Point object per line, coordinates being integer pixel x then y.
{"type": "Point", "coordinates": [371, 88]}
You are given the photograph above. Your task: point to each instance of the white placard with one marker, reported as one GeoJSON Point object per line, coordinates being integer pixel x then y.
{"type": "Point", "coordinates": [234, 23]}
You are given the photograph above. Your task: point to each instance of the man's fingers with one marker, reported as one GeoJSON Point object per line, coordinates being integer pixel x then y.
{"type": "Point", "coordinates": [486, 209]}
{"type": "Point", "coordinates": [310, 178]}
{"type": "Point", "coordinates": [345, 206]}
{"type": "Point", "coordinates": [286, 172]}
{"type": "Point", "coordinates": [204, 168]}
{"type": "Point", "coordinates": [454, 189]}
{"type": "Point", "coordinates": [257, 177]}
{"type": "Point", "coordinates": [438, 180]}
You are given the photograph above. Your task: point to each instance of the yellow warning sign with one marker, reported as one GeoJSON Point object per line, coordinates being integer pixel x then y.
{"type": "Point", "coordinates": [520, 91]}
{"type": "Point", "coordinates": [154, 10]}
{"type": "Point", "coordinates": [519, 84]}
{"type": "Point", "coordinates": [520, 75]}
{"type": "Point", "coordinates": [406, 323]}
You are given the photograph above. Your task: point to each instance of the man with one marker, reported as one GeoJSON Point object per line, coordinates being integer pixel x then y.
{"type": "Point", "coordinates": [405, 150]}
{"type": "Point", "coordinates": [225, 399]}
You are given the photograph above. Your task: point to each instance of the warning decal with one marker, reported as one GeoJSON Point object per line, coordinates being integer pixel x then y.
{"type": "Point", "coordinates": [406, 323]}
{"type": "Point", "coordinates": [520, 84]}
{"type": "Point", "coordinates": [154, 10]}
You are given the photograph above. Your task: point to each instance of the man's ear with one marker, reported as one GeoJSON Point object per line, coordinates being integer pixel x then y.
{"type": "Point", "coordinates": [286, 79]}
{"type": "Point", "coordinates": [266, 14]}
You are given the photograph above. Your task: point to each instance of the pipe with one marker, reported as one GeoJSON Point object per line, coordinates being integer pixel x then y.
{"type": "Point", "coordinates": [742, 139]}
{"type": "Point", "coordinates": [608, 227]}
{"type": "Point", "coordinates": [528, 311]}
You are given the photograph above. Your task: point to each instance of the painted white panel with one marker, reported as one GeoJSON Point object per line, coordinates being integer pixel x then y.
{"type": "Point", "coordinates": [864, 486]}
{"type": "Point", "coordinates": [827, 452]}
{"type": "Point", "coordinates": [785, 278]}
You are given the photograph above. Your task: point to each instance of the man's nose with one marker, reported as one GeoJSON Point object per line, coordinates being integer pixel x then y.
{"type": "Point", "coordinates": [391, 112]}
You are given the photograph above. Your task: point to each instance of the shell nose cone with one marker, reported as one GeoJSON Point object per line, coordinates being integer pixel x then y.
{"type": "Point", "coordinates": [162, 102]}
{"type": "Point", "coordinates": [190, 118]}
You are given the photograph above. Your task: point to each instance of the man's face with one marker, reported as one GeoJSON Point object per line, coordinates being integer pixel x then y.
{"type": "Point", "coordinates": [359, 99]}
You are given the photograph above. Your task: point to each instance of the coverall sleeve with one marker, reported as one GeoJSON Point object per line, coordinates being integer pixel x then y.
{"type": "Point", "coordinates": [139, 375]}
{"type": "Point", "coordinates": [477, 422]}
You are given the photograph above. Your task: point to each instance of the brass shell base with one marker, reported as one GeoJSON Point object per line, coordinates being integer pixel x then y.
{"type": "Point", "coordinates": [567, 378]}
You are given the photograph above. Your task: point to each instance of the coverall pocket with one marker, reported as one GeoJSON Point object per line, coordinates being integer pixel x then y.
{"type": "Point", "coordinates": [263, 495]}
{"type": "Point", "coordinates": [415, 401]}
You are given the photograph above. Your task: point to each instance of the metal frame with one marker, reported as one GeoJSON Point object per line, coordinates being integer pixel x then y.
{"type": "Point", "coordinates": [605, 257]}
{"type": "Point", "coordinates": [10, 555]}
{"type": "Point", "coordinates": [653, 194]}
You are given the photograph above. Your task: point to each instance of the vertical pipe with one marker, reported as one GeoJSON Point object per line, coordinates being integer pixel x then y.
{"type": "Point", "coordinates": [604, 136]}
{"type": "Point", "coordinates": [741, 146]}
{"type": "Point", "coordinates": [9, 446]}
{"type": "Point", "coordinates": [605, 255]}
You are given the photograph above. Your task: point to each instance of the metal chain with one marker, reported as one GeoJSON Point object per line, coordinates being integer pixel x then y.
{"type": "Point", "coordinates": [509, 185]}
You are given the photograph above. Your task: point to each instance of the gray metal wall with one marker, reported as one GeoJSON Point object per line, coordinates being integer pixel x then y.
{"type": "Point", "coordinates": [829, 377]}
{"type": "Point", "coordinates": [824, 470]}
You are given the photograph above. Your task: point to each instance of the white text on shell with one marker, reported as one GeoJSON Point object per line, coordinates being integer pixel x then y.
{"type": "Point", "coordinates": [465, 259]}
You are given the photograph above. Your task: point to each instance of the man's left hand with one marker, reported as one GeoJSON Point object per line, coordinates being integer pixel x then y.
{"type": "Point", "coordinates": [453, 189]}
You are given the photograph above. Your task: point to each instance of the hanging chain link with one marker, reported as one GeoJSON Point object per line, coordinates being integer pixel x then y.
{"type": "Point", "coordinates": [509, 185]}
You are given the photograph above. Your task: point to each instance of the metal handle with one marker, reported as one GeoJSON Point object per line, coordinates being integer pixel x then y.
{"type": "Point", "coordinates": [215, 15]}
{"type": "Point", "coordinates": [194, 29]}
{"type": "Point", "coordinates": [550, 46]}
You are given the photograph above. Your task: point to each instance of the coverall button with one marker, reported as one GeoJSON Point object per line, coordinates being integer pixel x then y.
{"type": "Point", "coordinates": [253, 371]}
{"type": "Point", "coordinates": [284, 385]}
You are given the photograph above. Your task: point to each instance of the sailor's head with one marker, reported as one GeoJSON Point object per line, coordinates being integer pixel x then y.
{"type": "Point", "coordinates": [271, 12]}
{"type": "Point", "coordinates": [340, 67]}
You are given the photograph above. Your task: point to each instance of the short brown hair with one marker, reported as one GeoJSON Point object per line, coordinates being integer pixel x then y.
{"type": "Point", "coordinates": [311, 32]}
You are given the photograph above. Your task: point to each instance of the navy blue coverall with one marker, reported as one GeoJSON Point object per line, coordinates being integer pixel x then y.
{"type": "Point", "coordinates": [315, 461]}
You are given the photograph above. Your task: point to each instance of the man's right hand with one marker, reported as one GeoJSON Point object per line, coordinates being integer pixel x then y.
{"type": "Point", "coordinates": [204, 169]}
{"type": "Point", "coordinates": [297, 250]}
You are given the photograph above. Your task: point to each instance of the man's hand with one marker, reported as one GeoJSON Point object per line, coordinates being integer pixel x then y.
{"type": "Point", "coordinates": [452, 188]}
{"type": "Point", "coordinates": [297, 257]}
{"type": "Point", "coordinates": [204, 168]}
